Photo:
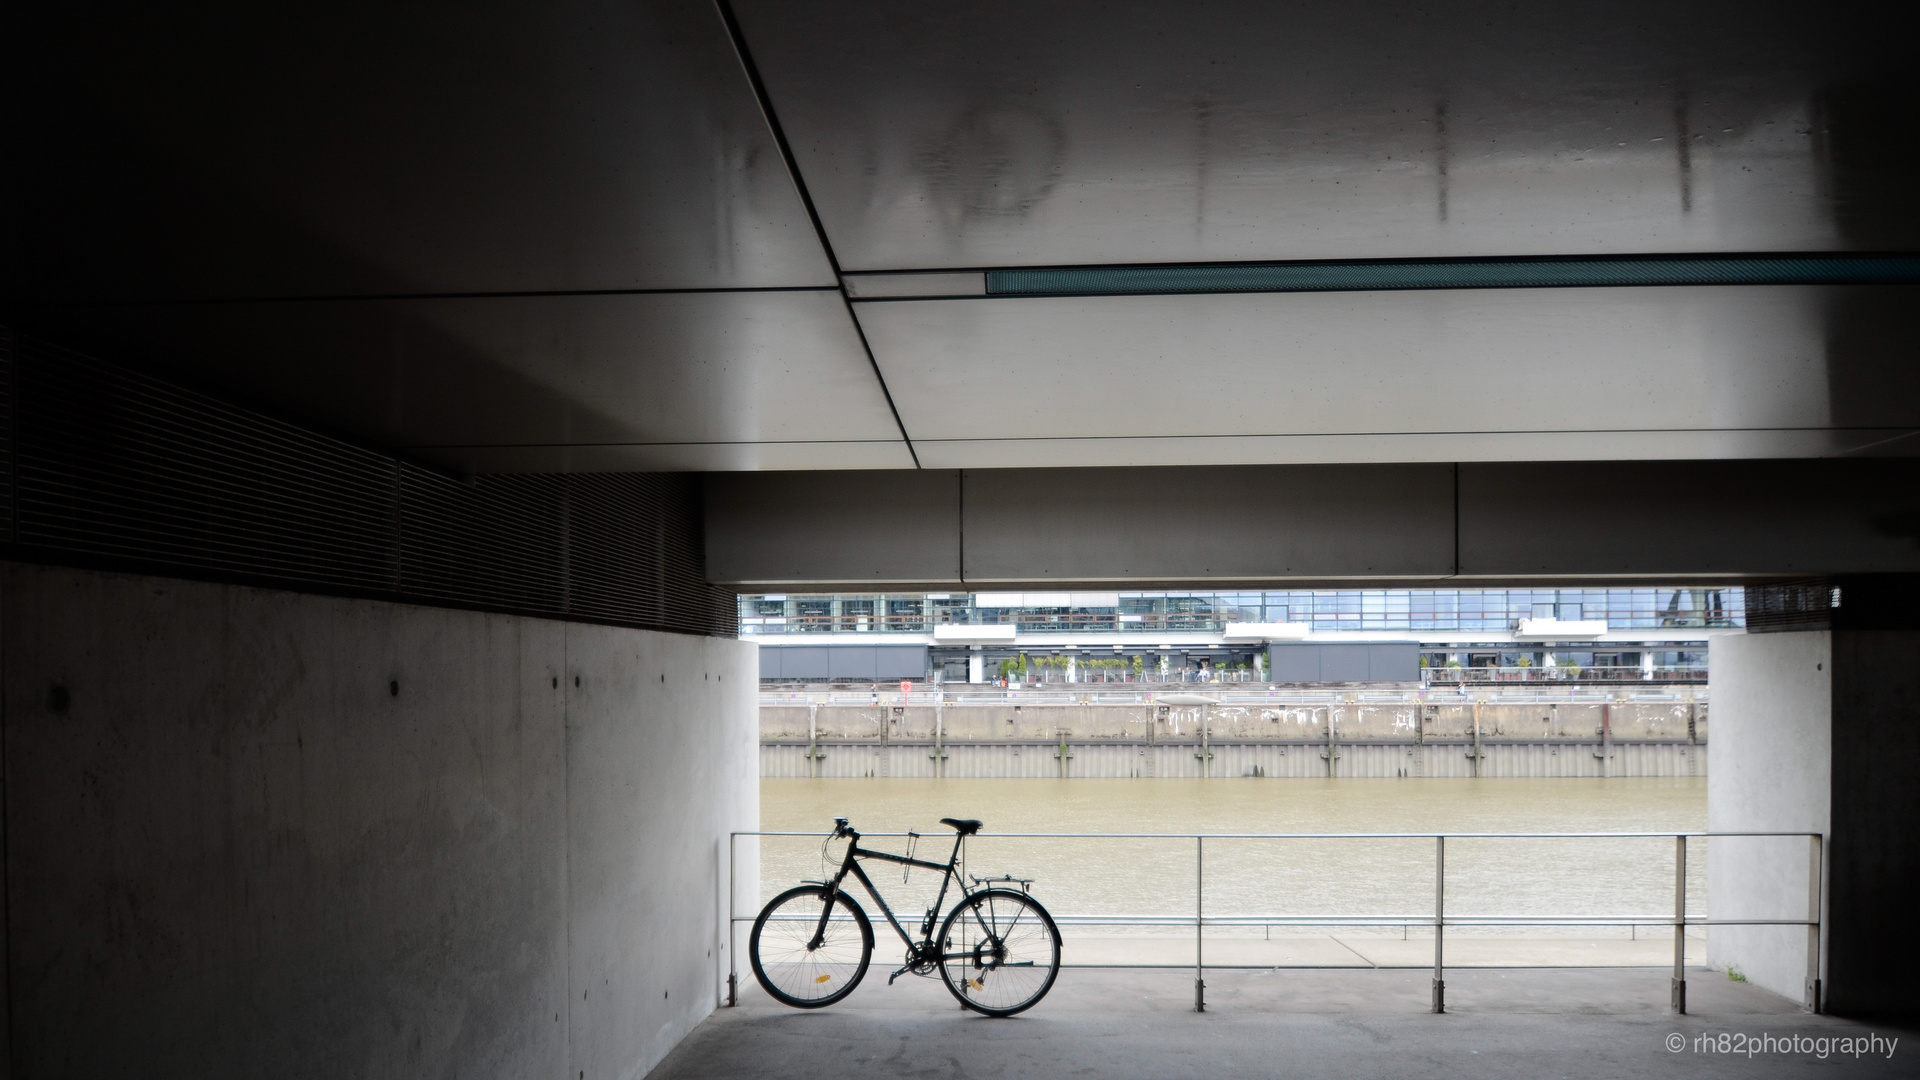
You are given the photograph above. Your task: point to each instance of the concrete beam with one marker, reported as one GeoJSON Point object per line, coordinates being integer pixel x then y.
{"type": "Point", "coordinates": [1683, 519]}
{"type": "Point", "coordinates": [860, 529]}
{"type": "Point", "coordinates": [1408, 524]}
{"type": "Point", "coordinates": [1249, 523]}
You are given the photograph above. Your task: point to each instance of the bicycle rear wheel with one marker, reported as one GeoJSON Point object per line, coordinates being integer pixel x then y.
{"type": "Point", "coordinates": [999, 952]}
{"type": "Point", "coordinates": [792, 971]}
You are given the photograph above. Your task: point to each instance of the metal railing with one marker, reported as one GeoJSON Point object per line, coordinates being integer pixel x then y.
{"type": "Point", "coordinates": [1104, 622]}
{"type": "Point", "coordinates": [1273, 694]}
{"type": "Point", "coordinates": [1448, 676]}
{"type": "Point", "coordinates": [1439, 920]}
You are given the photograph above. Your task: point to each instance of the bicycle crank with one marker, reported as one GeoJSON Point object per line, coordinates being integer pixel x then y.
{"type": "Point", "coordinates": [919, 962]}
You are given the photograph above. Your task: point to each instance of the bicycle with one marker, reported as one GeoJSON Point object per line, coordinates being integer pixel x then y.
{"type": "Point", "coordinates": [998, 950]}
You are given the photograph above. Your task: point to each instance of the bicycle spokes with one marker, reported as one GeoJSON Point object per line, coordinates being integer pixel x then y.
{"type": "Point", "coordinates": [999, 952]}
{"type": "Point", "coordinates": [795, 969]}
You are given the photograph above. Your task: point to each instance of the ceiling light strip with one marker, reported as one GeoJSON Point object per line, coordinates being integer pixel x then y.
{"type": "Point", "coordinates": [1465, 274]}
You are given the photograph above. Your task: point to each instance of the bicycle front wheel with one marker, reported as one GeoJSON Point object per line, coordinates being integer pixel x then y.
{"type": "Point", "coordinates": [795, 970]}
{"type": "Point", "coordinates": [999, 952]}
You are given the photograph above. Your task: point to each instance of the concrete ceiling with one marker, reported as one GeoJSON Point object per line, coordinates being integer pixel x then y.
{"type": "Point", "coordinates": [564, 235]}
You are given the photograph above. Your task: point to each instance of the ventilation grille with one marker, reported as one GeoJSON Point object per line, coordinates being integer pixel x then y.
{"type": "Point", "coordinates": [107, 467]}
{"type": "Point", "coordinates": [6, 435]}
{"type": "Point", "coordinates": [1792, 605]}
{"type": "Point", "coordinates": [499, 542]}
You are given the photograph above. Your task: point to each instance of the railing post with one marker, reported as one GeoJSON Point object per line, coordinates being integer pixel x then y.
{"type": "Point", "coordinates": [733, 970]}
{"type": "Point", "coordinates": [1439, 923]}
{"type": "Point", "coordinates": [1199, 914]}
{"type": "Point", "coordinates": [1815, 912]}
{"type": "Point", "coordinates": [1679, 1001]}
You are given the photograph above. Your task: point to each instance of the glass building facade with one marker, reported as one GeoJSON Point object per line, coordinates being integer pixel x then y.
{"type": "Point", "coordinates": [1383, 610]}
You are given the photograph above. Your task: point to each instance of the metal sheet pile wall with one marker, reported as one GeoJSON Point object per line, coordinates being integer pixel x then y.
{"type": "Point", "coordinates": [106, 467]}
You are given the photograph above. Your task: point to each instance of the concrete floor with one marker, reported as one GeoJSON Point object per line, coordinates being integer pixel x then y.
{"type": "Point", "coordinates": [1126, 1023]}
{"type": "Point", "coordinates": [1363, 950]}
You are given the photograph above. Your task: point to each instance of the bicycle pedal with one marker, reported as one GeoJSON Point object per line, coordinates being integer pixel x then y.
{"type": "Point", "coordinates": [897, 974]}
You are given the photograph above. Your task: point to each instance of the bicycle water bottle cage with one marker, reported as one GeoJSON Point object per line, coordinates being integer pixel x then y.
{"type": "Point", "coordinates": [964, 826]}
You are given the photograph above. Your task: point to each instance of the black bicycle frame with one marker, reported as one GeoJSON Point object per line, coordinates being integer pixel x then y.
{"type": "Point", "coordinates": [850, 865]}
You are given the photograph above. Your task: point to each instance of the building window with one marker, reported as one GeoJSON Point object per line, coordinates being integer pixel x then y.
{"type": "Point", "coordinates": [906, 615]}
{"type": "Point", "coordinates": [856, 615]}
{"type": "Point", "coordinates": [813, 615]}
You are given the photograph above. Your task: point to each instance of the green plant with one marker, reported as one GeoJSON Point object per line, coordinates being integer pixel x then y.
{"type": "Point", "coordinates": [1524, 661]}
{"type": "Point", "coordinates": [1453, 663]}
{"type": "Point", "coordinates": [1423, 661]}
{"type": "Point", "coordinates": [1735, 974]}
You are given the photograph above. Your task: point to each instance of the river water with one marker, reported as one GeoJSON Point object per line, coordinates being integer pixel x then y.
{"type": "Point", "coordinates": [1614, 877]}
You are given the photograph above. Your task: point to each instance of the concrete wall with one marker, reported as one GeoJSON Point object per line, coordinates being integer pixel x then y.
{"type": "Point", "coordinates": [1403, 721]}
{"type": "Point", "coordinates": [1388, 739]}
{"type": "Point", "coordinates": [1772, 747]}
{"type": "Point", "coordinates": [1228, 760]}
{"type": "Point", "coordinates": [255, 833]}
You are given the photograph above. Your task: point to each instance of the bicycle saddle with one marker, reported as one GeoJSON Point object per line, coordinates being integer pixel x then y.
{"type": "Point", "coordinates": [966, 828]}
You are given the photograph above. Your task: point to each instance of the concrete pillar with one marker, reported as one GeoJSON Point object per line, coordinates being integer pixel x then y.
{"type": "Point", "coordinates": [1873, 857]}
{"type": "Point", "coordinates": [976, 667]}
{"type": "Point", "coordinates": [1818, 731]}
{"type": "Point", "coordinates": [1772, 771]}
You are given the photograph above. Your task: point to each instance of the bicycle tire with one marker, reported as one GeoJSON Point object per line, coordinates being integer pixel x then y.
{"type": "Point", "coordinates": [999, 952]}
{"type": "Point", "coordinates": [796, 971]}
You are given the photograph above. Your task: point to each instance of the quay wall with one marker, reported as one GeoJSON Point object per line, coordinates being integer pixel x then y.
{"type": "Point", "coordinates": [1340, 739]}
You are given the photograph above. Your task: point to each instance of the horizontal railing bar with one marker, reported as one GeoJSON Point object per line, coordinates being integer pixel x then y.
{"type": "Point", "coordinates": [1334, 836]}
{"type": "Point", "coordinates": [1368, 920]}
{"type": "Point", "coordinates": [1425, 965]}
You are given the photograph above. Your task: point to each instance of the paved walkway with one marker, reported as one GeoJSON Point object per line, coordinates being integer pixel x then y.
{"type": "Point", "coordinates": [1131, 1023]}
{"type": "Point", "coordinates": [1650, 949]}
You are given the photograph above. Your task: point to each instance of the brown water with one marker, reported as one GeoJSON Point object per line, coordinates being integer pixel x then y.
{"type": "Point", "coordinates": [1390, 877]}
